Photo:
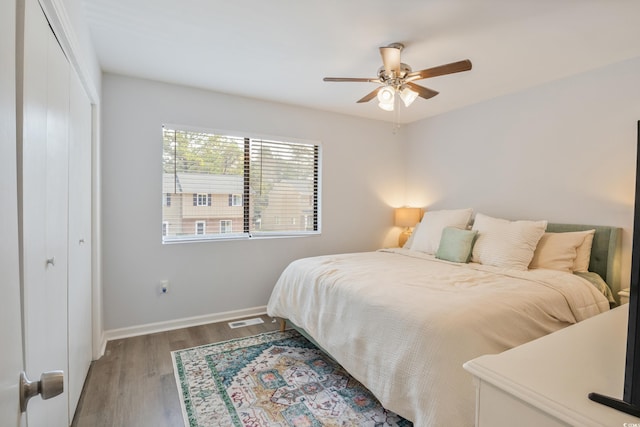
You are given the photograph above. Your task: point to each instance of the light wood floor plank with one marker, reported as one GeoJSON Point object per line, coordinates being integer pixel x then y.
{"type": "Point", "coordinates": [133, 384]}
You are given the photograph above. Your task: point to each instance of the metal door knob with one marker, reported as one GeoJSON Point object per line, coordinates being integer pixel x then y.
{"type": "Point", "coordinates": [50, 385]}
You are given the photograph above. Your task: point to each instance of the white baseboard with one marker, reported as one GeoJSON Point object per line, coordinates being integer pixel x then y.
{"type": "Point", "coordinates": [169, 325]}
{"type": "Point", "coordinates": [101, 346]}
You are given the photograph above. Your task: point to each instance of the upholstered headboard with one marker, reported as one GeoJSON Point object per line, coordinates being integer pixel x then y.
{"type": "Point", "coordinates": [605, 251]}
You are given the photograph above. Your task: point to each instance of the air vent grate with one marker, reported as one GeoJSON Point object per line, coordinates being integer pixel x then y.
{"type": "Point", "coordinates": [246, 322]}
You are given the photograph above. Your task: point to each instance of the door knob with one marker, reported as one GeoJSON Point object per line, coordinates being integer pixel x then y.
{"type": "Point", "coordinates": [50, 385]}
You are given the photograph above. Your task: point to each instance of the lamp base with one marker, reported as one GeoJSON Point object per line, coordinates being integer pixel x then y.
{"type": "Point", "coordinates": [404, 236]}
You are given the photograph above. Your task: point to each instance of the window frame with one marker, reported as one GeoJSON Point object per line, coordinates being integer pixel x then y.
{"type": "Point", "coordinates": [314, 218]}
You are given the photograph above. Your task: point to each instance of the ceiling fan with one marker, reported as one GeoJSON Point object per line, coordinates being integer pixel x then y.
{"type": "Point", "coordinates": [395, 77]}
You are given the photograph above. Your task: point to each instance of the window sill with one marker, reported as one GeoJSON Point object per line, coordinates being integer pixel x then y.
{"type": "Point", "coordinates": [235, 237]}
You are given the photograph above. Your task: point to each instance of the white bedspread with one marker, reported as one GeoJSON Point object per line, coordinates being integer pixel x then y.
{"type": "Point", "coordinates": [403, 323]}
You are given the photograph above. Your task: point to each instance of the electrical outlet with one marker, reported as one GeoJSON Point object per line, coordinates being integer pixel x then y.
{"type": "Point", "coordinates": [164, 286]}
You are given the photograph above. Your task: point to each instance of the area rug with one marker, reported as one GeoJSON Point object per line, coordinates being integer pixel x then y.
{"type": "Point", "coordinates": [275, 379]}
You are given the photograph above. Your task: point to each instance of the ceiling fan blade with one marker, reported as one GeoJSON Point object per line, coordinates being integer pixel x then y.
{"type": "Point", "coordinates": [390, 59]}
{"type": "Point", "coordinates": [454, 67]}
{"type": "Point", "coordinates": [351, 79]}
{"type": "Point", "coordinates": [368, 97]}
{"type": "Point", "coordinates": [423, 92]}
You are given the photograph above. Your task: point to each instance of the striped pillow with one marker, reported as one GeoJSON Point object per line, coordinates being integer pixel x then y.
{"type": "Point", "coordinates": [507, 244]}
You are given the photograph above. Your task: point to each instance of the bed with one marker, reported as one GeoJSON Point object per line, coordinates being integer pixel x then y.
{"type": "Point", "coordinates": [403, 321]}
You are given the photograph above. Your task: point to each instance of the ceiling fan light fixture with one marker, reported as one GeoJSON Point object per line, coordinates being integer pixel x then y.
{"type": "Point", "coordinates": [396, 79]}
{"type": "Point", "coordinates": [408, 96]}
{"type": "Point", "coordinates": [386, 98]}
{"type": "Point", "coordinates": [386, 106]}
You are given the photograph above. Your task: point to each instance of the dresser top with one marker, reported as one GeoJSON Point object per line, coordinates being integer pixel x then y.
{"type": "Point", "coordinates": [557, 372]}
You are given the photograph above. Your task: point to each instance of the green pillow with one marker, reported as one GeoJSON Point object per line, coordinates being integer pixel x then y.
{"type": "Point", "coordinates": [456, 244]}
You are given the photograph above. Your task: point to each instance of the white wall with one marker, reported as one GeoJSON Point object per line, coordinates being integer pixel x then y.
{"type": "Point", "coordinates": [362, 178]}
{"type": "Point", "coordinates": [564, 151]}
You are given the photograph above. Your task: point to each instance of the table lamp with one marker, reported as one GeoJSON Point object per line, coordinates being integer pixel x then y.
{"type": "Point", "coordinates": [407, 218]}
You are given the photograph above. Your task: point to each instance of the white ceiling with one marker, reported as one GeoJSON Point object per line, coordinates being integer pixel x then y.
{"type": "Point", "coordinates": [279, 50]}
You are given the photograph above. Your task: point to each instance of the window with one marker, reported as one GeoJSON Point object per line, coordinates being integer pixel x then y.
{"type": "Point", "coordinates": [226, 226]}
{"type": "Point", "coordinates": [266, 187]}
{"type": "Point", "coordinates": [201, 228]}
{"type": "Point", "coordinates": [235, 199]}
{"type": "Point", "coordinates": [165, 228]}
{"type": "Point", "coordinates": [201, 199]}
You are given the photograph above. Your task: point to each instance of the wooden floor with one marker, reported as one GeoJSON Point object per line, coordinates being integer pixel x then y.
{"type": "Point", "coordinates": [133, 384]}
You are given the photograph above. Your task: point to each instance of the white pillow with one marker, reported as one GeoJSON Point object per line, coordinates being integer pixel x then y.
{"type": "Point", "coordinates": [503, 243]}
{"type": "Point", "coordinates": [427, 236]}
{"type": "Point", "coordinates": [583, 255]}
{"type": "Point", "coordinates": [558, 251]}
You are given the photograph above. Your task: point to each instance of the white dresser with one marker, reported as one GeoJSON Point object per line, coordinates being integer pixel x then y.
{"type": "Point", "coordinates": [546, 382]}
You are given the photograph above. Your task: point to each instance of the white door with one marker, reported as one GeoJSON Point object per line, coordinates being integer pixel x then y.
{"type": "Point", "coordinates": [10, 323]}
{"type": "Point", "coordinates": [80, 326]}
{"type": "Point", "coordinates": [44, 212]}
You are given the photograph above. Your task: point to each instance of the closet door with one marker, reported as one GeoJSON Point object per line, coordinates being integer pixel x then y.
{"type": "Point", "coordinates": [55, 170]}
{"type": "Point", "coordinates": [80, 327]}
{"type": "Point", "coordinates": [45, 132]}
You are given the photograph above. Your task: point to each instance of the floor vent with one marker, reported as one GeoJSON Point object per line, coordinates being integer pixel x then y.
{"type": "Point", "coordinates": [246, 322]}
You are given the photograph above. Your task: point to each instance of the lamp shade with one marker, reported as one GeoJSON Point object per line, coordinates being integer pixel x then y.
{"type": "Point", "coordinates": [386, 96]}
{"type": "Point", "coordinates": [407, 217]}
{"type": "Point", "coordinates": [408, 96]}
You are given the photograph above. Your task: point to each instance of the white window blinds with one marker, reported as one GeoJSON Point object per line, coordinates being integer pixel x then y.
{"type": "Point", "coordinates": [255, 187]}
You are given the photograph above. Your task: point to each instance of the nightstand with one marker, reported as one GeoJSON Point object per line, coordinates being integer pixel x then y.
{"type": "Point", "coordinates": [624, 296]}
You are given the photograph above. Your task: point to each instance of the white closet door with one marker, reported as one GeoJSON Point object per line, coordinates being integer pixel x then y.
{"type": "Point", "coordinates": [79, 240]}
{"type": "Point", "coordinates": [45, 211]}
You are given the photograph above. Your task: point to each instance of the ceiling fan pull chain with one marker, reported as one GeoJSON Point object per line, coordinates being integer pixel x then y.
{"type": "Point", "coordinates": [396, 123]}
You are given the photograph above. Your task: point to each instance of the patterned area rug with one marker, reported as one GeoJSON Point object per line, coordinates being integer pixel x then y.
{"type": "Point", "coordinates": [276, 379]}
